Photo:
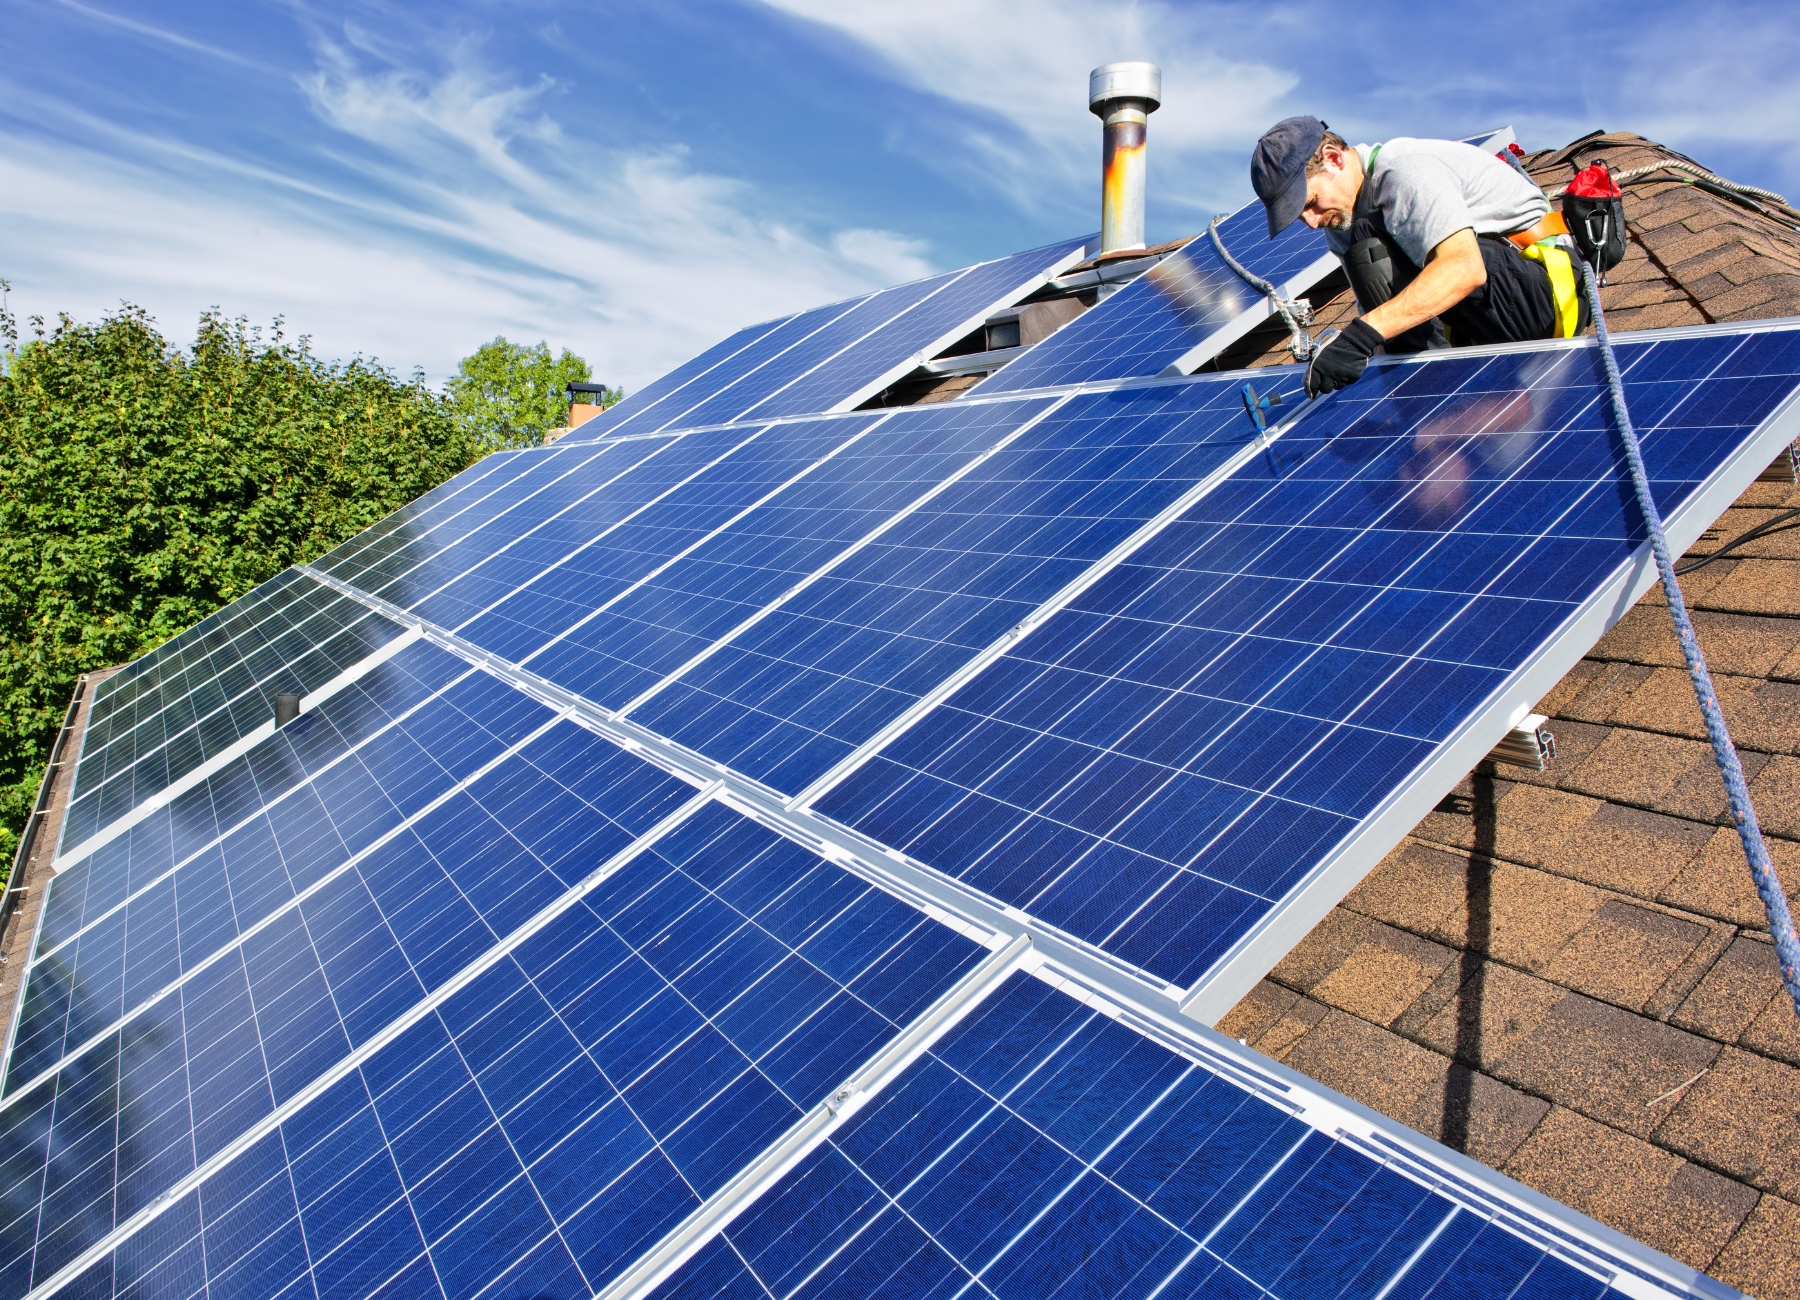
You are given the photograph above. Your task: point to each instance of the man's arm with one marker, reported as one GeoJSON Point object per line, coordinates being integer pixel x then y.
{"type": "Point", "coordinates": [1452, 272]}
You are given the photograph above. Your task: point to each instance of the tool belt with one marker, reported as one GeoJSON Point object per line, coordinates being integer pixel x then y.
{"type": "Point", "coordinates": [1550, 227]}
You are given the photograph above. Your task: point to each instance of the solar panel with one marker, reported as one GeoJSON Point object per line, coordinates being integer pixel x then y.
{"type": "Point", "coordinates": [1218, 726]}
{"type": "Point", "coordinates": [787, 699]}
{"type": "Point", "coordinates": [1178, 315]}
{"type": "Point", "coordinates": [534, 949]}
{"type": "Point", "coordinates": [1047, 1146]}
{"type": "Point", "coordinates": [832, 358]}
{"type": "Point", "coordinates": [679, 379]}
{"type": "Point", "coordinates": [738, 811]}
{"type": "Point", "coordinates": [313, 646]}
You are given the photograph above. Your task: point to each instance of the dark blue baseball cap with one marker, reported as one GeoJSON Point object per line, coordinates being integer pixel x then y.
{"type": "Point", "coordinates": [1278, 168]}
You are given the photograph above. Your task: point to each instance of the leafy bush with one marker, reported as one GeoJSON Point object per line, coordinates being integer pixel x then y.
{"type": "Point", "coordinates": [508, 395]}
{"type": "Point", "coordinates": [142, 487]}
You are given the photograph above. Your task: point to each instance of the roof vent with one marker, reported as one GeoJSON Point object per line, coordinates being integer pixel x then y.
{"type": "Point", "coordinates": [1122, 96]}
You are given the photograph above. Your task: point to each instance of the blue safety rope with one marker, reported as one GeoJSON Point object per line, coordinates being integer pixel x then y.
{"type": "Point", "coordinates": [1737, 794]}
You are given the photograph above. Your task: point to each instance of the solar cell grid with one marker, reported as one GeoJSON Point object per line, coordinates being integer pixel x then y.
{"type": "Point", "coordinates": [569, 490]}
{"type": "Point", "coordinates": [1043, 1148]}
{"type": "Point", "coordinates": [634, 528]}
{"type": "Point", "coordinates": [498, 569]}
{"type": "Point", "coordinates": [671, 412]}
{"type": "Point", "coordinates": [824, 674]}
{"type": "Point", "coordinates": [616, 1068]}
{"type": "Point", "coordinates": [110, 870]}
{"type": "Point", "coordinates": [189, 912]}
{"type": "Point", "coordinates": [414, 547]}
{"type": "Point", "coordinates": [315, 932]}
{"type": "Point", "coordinates": [1169, 756]}
{"type": "Point", "coordinates": [816, 357]}
{"type": "Point", "coordinates": [180, 699]}
{"type": "Point", "coordinates": [655, 392]}
{"type": "Point", "coordinates": [402, 996]}
{"type": "Point", "coordinates": [144, 764]}
{"type": "Point", "coordinates": [462, 486]}
{"type": "Point", "coordinates": [1174, 313]}
{"type": "Point", "coordinates": [956, 305]}
{"type": "Point", "coordinates": [834, 357]}
{"type": "Point", "coordinates": [471, 487]}
{"type": "Point", "coordinates": [115, 699]}
{"type": "Point", "coordinates": [637, 639]}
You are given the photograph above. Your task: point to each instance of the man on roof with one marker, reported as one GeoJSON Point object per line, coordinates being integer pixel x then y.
{"type": "Point", "coordinates": [1442, 242]}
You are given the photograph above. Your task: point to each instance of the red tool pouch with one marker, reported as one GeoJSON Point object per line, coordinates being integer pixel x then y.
{"type": "Point", "coordinates": [1594, 206]}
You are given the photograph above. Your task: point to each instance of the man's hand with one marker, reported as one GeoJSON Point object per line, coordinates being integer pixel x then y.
{"type": "Point", "coordinates": [1341, 363]}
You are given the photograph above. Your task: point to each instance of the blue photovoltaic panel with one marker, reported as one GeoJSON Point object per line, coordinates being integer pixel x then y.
{"type": "Point", "coordinates": [172, 669]}
{"type": "Point", "coordinates": [789, 334]}
{"type": "Point", "coordinates": [327, 636]}
{"type": "Point", "coordinates": [830, 358]}
{"type": "Point", "coordinates": [503, 569]}
{"type": "Point", "coordinates": [812, 357]}
{"type": "Point", "coordinates": [677, 380]}
{"type": "Point", "coordinates": [547, 1120]}
{"type": "Point", "coordinates": [474, 485]}
{"type": "Point", "coordinates": [593, 562]}
{"type": "Point", "coordinates": [798, 692]}
{"type": "Point", "coordinates": [454, 494]}
{"type": "Point", "coordinates": [569, 569]}
{"type": "Point", "coordinates": [1162, 315]}
{"type": "Point", "coordinates": [108, 875]}
{"type": "Point", "coordinates": [900, 343]}
{"type": "Point", "coordinates": [648, 633]}
{"type": "Point", "coordinates": [436, 992]}
{"type": "Point", "coordinates": [167, 922]}
{"type": "Point", "coordinates": [1044, 1149]}
{"type": "Point", "coordinates": [572, 490]}
{"type": "Point", "coordinates": [1161, 763]}
{"type": "Point", "coordinates": [549, 479]}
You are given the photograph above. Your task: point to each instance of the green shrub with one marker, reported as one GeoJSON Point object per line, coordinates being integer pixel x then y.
{"type": "Point", "coordinates": [142, 487]}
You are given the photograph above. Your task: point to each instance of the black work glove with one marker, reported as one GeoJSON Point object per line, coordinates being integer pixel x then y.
{"type": "Point", "coordinates": [1341, 362]}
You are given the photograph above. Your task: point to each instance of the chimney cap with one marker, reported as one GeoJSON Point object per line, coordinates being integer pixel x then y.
{"type": "Point", "coordinates": [1125, 81]}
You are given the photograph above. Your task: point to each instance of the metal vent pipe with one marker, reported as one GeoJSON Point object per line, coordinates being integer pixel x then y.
{"type": "Point", "coordinates": [1122, 96]}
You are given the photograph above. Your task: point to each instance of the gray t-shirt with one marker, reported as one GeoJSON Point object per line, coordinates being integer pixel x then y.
{"type": "Point", "coordinates": [1427, 190]}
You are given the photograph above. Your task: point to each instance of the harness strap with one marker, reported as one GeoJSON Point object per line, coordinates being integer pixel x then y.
{"type": "Point", "coordinates": [1555, 259]}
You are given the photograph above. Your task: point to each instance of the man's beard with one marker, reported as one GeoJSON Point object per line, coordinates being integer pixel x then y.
{"type": "Point", "coordinates": [1337, 219]}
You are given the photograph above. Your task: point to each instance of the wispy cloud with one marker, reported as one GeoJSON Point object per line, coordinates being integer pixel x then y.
{"type": "Point", "coordinates": [1022, 71]}
{"type": "Point", "coordinates": [162, 35]}
{"type": "Point", "coordinates": [454, 207]}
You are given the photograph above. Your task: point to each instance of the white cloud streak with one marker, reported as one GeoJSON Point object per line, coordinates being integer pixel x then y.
{"type": "Point", "coordinates": [475, 215]}
{"type": "Point", "coordinates": [1026, 67]}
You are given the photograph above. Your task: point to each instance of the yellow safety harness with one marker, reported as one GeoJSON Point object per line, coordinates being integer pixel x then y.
{"type": "Point", "coordinates": [1554, 258]}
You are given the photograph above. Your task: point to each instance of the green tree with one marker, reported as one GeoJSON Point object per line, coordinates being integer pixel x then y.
{"type": "Point", "coordinates": [508, 395]}
{"type": "Point", "coordinates": [142, 487]}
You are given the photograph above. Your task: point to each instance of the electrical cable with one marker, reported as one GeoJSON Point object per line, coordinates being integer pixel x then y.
{"type": "Point", "coordinates": [1294, 314]}
{"type": "Point", "coordinates": [1737, 792]}
{"type": "Point", "coordinates": [1776, 524]}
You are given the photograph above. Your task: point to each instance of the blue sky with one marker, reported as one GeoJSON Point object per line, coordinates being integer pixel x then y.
{"type": "Point", "coordinates": [636, 180]}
